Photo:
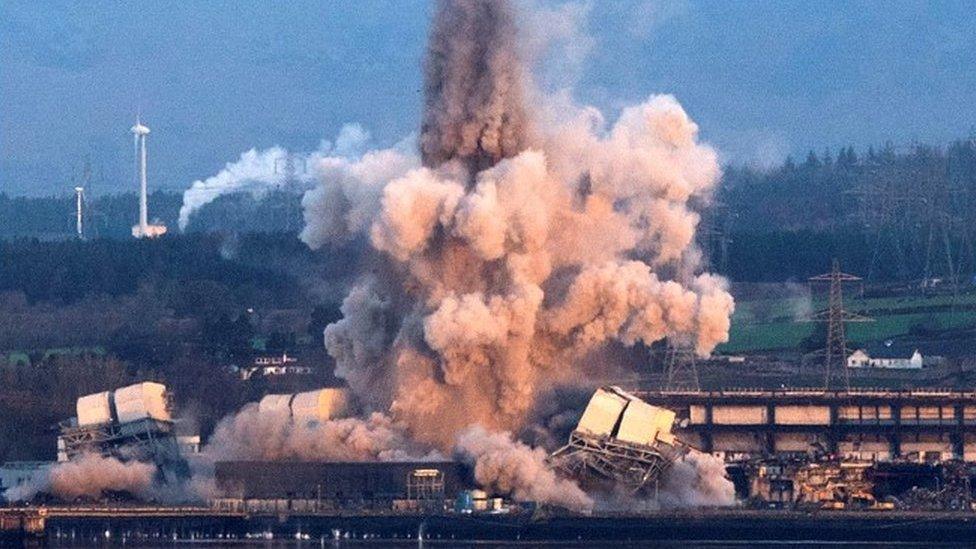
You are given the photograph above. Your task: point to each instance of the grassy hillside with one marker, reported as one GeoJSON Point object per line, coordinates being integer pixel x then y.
{"type": "Point", "coordinates": [776, 324]}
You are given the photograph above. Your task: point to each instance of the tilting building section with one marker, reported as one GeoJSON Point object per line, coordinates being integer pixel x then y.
{"type": "Point", "coordinates": [622, 439]}
{"type": "Point", "coordinates": [130, 423]}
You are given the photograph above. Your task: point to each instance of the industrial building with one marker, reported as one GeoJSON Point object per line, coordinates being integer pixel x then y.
{"type": "Point", "coordinates": [313, 486]}
{"type": "Point", "coordinates": [318, 405]}
{"type": "Point", "coordinates": [132, 422]}
{"type": "Point", "coordinates": [877, 425]}
{"type": "Point", "coordinates": [621, 439]}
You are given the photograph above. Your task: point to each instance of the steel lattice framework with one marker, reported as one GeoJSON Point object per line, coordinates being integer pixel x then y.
{"type": "Point", "coordinates": [632, 465]}
{"type": "Point", "coordinates": [836, 351]}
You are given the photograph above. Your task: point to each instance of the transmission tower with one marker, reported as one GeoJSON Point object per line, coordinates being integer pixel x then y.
{"type": "Point", "coordinates": [713, 233]}
{"type": "Point", "coordinates": [680, 369]}
{"type": "Point", "coordinates": [836, 351]}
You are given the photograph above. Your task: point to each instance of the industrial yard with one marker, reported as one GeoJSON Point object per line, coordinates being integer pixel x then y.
{"type": "Point", "coordinates": [487, 272]}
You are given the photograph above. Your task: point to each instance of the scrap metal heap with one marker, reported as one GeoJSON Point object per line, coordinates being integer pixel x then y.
{"type": "Point", "coordinates": [622, 439]}
{"type": "Point", "coordinates": [130, 423]}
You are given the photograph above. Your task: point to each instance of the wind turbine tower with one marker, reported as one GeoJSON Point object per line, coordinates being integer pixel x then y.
{"type": "Point", "coordinates": [79, 200]}
{"type": "Point", "coordinates": [143, 229]}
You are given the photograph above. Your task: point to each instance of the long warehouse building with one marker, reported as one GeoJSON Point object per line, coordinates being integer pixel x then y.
{"type": "Point", "coordinates": [880, 425]}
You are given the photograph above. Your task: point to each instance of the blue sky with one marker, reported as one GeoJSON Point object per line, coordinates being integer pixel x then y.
{"type": "Point", "coordinates": [762, 78]}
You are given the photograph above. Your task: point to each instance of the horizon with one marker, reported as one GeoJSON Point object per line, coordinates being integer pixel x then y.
{"type": "Point", "coordinates": [762, 80]}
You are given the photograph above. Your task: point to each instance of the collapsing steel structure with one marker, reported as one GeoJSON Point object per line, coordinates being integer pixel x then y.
{"type": "Point", "coordinates": [130, 423]}
{"type": "Point", "coordinates": [622, 439]}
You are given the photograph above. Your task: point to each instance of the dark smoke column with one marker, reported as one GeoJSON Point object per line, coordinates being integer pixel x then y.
{"type": "Point", "coordinates": [473, 104]}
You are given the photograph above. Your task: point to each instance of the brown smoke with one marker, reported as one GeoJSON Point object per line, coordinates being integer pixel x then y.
{"type": "Point", "coordinates": [506, 466]}
{"type": "Point", "coordinates": [473, 86]}
{"type": "Point", "coordinates": [506, 259]}
{"type": "Point", "coordinates": [272, 436]}
{"type": "Point", "coordinates": [500, 289]}
{"type": "Point", "coordinates": [697, 480]}
{"type": "Point", "coordinates": [89, 476]}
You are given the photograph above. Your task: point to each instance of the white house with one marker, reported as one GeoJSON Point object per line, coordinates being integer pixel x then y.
{"type": "Point", "coordinates": [861, 359]}
{"type": "Point", "coordinates": [275, 366]}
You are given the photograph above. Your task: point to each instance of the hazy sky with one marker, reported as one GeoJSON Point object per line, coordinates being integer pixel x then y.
{"type": "Point", "coordinates": [762, 78]}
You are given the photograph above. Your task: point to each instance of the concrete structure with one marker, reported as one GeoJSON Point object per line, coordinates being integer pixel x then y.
{"type": "Point", "coordinates": [876, 425]}
{"type": "Point", "coordinates": [861, 359]}
{"type": "Point", "coordinates": [143, 229]}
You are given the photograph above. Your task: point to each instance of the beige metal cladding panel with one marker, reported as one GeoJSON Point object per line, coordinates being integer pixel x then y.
{"type": "Point", "coordinates": [642, 423]}
{"type": "Point", "coordinates": [696, 414]}
{"type": "Point", "coordinates": [948, 413]}
{"type": "Point", "coordinates": [141, 401]}
{"type": "Point", "coordinates": [793, 442]}
{"type": "Point", "coordinates": [849, 412]}
{"type": "Point", "coordinates": [969, 413]}
{"type": "Point", "coordinates": [908, 413]}
{"type": "Point", "coordinates": [601, 413]}
{"type": "Point", "coordinates": [928, 412]}
{"type": "Point", "coordinates": [94, 409]}
{"type": "Point", "coordinates": [802, 415]}
{"type": "Point", "coordinates": [739, 415]}
{"type": "Point", "coordinates": [320, 405]}
{"type": "Point", "coordinates": [736, 442]}
{"type": "Point", "coordinates": [274, 404]}
{"type": "Point", "coordinates": [926, 446]}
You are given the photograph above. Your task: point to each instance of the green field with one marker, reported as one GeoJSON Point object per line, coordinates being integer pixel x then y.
{"type": "Point", "coordinates": [776, 324]}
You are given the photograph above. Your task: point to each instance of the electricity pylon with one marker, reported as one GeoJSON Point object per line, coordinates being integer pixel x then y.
{"type": "Point", "coordinates": [681, 371]}
{"type": "Point", "coordinates": [836, 351]}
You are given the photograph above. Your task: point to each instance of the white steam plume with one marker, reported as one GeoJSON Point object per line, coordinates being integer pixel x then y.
{"type": "Point", "coordinates": [258, 171]}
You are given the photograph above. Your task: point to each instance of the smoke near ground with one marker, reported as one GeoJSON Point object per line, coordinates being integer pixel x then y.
{"type": "Point", "coordinates": [88, 476]}
{"type": "Point", "coordinates": [506, 466]}
{"type": "Point", "coordinates": [523, 240]}
{"type": "Point", "coordinates": [697, 480]}
{"type": "Point", "coordinates": [270, 436]}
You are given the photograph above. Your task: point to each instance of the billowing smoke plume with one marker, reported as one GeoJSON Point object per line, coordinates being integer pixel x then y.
{"type": "Point", "coordinates": [503, 259]}
{"type": "Point", "coordinates": [258, 171]}
{"type": "Point", "coordinates": [697, 480]}
{"type": "Point", "coordinates": [88, 476]}
{"type": "Point", "coordinates": [494, 290]}
{"type": "Point", "coordinates": [270, 436]}
{"type": "Point", "coordinates": [506, 466]}
{"type": "Point", "coordinates": [473, 86]}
